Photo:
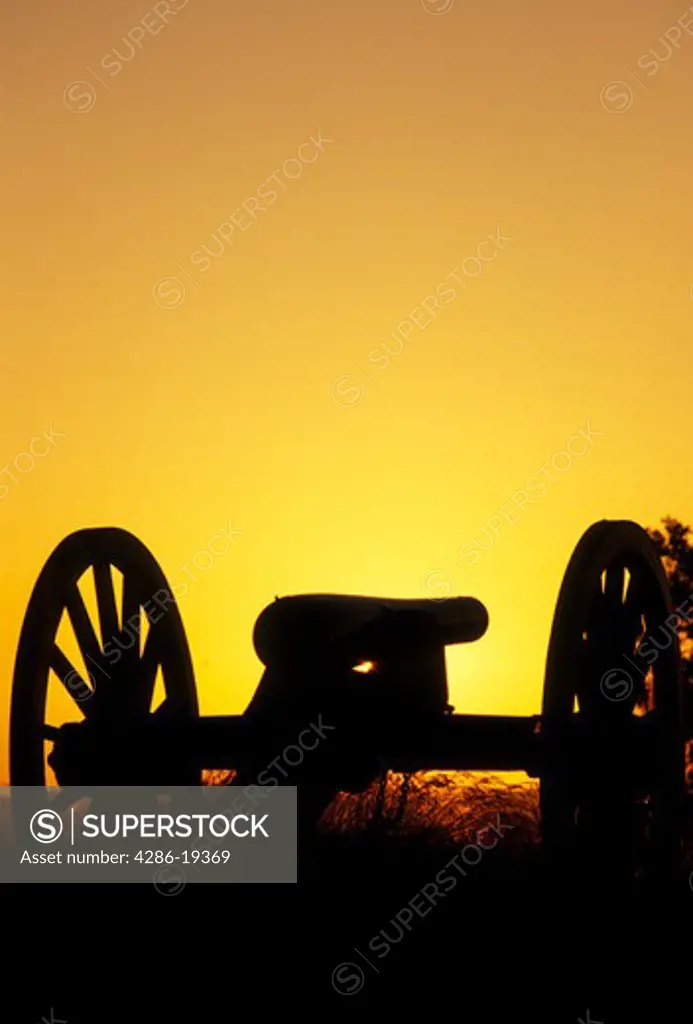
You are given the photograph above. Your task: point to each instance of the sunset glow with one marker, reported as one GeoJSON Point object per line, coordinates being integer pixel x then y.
{"type": "Point", "coordinates": [366, 298]}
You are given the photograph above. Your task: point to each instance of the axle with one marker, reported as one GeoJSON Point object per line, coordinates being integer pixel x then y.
{"type": "Point", "coordinates": [162, 748]}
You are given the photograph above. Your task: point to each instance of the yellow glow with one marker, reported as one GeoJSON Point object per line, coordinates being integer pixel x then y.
{"type": "Point", "coordinates": [365, 667]}
{"type": "Point", "coordinates": [281, 397]}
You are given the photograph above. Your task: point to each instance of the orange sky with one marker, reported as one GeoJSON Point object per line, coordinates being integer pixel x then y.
{"type": "Point", "coordinates": [237, 404]}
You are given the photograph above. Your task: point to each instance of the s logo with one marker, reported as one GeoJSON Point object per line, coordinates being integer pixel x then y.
{"type": "Point", "coordinates": [46, 826]}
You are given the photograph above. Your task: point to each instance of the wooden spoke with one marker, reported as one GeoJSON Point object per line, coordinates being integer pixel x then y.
{"type": "Point", "coordinates": [634, 595]}
{"type": "Point", "coordinates": [149, 665]}
{"type": "Point", "coordinates": [613, 589]}
{"type": "Point", "coordinates": [132, 616]}
{"type": "Point", "coordinates": [83, 627]}
{"type": "Point", "coordinates": [78, 689]}
{"type": "Point", "coordinates": [129, 639]}
{"type": "Point", "coordinates": [105, 599]}
{"type": "Point", "coordinates": [595, 606]}
{"type": "Point", "coordinates": [635, 605]}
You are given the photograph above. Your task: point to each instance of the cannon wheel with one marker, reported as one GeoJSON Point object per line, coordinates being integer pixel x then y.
{"type": "Point", "coordinates": [121, 662]}
{"type": "Point", "coordinates": [614, 594]}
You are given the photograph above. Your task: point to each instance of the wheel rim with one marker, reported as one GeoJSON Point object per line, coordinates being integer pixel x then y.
{"type": "Point", "coordinates": [614, 600]}
{"type": "Point", "coordinates": [125, 645]}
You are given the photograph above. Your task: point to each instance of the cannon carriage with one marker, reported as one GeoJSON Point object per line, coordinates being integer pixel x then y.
{"type": "Point", "coordinates": [368, 676]}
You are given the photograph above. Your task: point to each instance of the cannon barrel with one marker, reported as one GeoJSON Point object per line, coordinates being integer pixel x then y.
{"type": "Point", "coordinates": [363, 626]}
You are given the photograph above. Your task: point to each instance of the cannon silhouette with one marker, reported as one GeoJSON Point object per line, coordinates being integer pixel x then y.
{"type": "Point", "coordinates": [366, 677]}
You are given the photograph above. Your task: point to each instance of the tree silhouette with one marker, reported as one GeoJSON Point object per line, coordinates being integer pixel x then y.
{"type": "Point", "coordinates": [674, 548]}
